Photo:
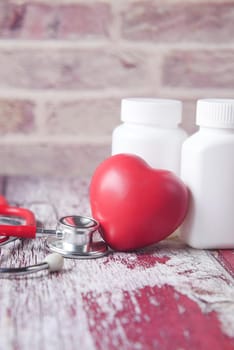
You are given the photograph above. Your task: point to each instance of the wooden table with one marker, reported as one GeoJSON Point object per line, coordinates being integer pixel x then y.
{"type": "Point", "coordinates": [165, 297]}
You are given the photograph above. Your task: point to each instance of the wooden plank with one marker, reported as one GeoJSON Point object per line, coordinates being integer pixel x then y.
{"type": "Point", "coordinates": [167, 296]}
{"type": "Point", "coordinates": [154, 318]}
{"type": "Point", "coordinates": [226, 258]}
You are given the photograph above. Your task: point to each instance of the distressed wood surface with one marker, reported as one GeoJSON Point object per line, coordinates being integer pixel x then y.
{"type": "Point", "coordinates": [167, 296]}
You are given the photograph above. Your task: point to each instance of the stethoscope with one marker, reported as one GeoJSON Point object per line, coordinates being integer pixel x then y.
{"type": "Point", "coordinates": [75, 236]}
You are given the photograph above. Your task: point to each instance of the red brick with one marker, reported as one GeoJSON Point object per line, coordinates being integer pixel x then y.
{"type": "Point", "coordinates": [199, 69]}
{"type": "Point", "coordinates": [181, 22]}
{"type": "Point", "coordinates": [83, 118]}
{"type": "Point", "coordinates": [74, 69]}
{"type": "Point", "coordinates": [96, 118]}
{"type": "Point", "coordinates": [16, 116]}
{"type": "Point", "coordinates": [47, 21]}
{"type": "Point", "coordinates": [51, 159]}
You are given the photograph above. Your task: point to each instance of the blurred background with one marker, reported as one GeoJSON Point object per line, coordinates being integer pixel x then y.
{"type": "Point", "coordinates": [66, 64]}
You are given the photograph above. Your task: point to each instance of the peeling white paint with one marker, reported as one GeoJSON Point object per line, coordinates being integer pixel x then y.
{"type": "Point", "coordinates": [50, 312]}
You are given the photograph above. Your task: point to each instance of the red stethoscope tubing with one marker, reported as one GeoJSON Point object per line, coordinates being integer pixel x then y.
{"type": "Point", "coordinates": [27, 230]}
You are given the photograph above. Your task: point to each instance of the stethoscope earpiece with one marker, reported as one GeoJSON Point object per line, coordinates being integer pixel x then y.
{"type": "Point", "coordinates": [52, 263]}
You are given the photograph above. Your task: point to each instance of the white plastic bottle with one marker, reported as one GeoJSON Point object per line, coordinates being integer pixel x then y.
{"type": "Point", "coordinates": [207, 167]}
{"type": "Point", "coordinates": [150, 130]}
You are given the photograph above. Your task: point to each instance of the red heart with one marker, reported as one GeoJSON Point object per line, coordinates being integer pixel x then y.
{"type": "Point", "coordinates": [135, 204]}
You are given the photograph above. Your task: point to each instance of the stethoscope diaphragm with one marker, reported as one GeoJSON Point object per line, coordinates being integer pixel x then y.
{"type": "Point", "coordinates": [76, 238]}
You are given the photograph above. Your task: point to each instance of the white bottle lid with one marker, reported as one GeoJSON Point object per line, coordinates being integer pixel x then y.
{"type": "Point", "coordinates": [154, 111]}
{"type": "Point", "coordinates": [216, 113]}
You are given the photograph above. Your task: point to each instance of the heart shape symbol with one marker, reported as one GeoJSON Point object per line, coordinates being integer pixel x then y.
{"type": "Point", "coordinates": [135, 204]}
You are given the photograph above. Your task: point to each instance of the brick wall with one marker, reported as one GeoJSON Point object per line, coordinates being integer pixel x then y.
{"type": "Point", "coordinates": [65, 65]}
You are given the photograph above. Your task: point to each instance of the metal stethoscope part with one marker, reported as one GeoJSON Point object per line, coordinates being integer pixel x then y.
{"type": "Point", "coordinates": [72, 238]}
{"type": "Point", "coordinates": [52, 263]}
{"type": "Point", "coordinates": [75, 238]}
{"type": "Point", "coordinates": [21, 271]}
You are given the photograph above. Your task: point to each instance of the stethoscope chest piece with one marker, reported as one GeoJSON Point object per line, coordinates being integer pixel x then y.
{"type": "Point", "coordinates": [75, 238]}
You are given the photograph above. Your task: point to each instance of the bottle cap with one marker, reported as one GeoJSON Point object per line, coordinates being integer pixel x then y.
{"type": "Point", "coordinates": [151, 111]}
{"type": "Point", "coordinates": [216, 113]}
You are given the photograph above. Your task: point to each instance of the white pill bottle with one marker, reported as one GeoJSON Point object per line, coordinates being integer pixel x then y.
{"type": "Point", "coordinates": [207, 168]}
{"type": "Point", "coordinates": [150, 129]}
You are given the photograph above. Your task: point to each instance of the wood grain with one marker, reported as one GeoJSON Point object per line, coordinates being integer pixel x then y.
{"type": "Point", "coordinates": [167, 296]}
{"type": "Point", "coordinates": [226, 258]}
